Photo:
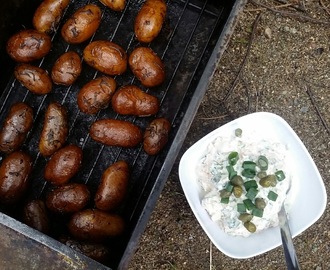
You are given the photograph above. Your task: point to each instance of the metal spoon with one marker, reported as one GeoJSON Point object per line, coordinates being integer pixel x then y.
{"type": "Point", "coordinates": [289, 250]}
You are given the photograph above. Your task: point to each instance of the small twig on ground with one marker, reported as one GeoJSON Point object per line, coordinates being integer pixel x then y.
{"type": "Point", "coordinates": [255, 24]}
{"type": "Point", "coordinates": [311, 97]}
{"type": "Point", "coordinates": [298, 16]}
{"type": "Point", "coordinates": [324, 7]}
{"type": "Point", "coordinates": [298, 7]}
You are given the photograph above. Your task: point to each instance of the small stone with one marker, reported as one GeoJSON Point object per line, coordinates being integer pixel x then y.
{"type": "Point", "coordinates": [268, 32]}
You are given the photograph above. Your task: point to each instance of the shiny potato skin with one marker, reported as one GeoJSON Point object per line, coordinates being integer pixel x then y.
{"type": "Point", "coordinates": [34, 78]}
{"type": "Point", "coordinates": [116, 5]}
{"type": "Point", "coordinates": [95, 225]}
{"type": "Point", "coordinates": [17, 124]}
{"type": "Point", "coordinates": [132, 100]}
{"type": "Point", "coordinates": [69, 198]}
{"type": "Point", "coordinates": [82, 24]}
{"type": "Point", "coordinates": [15, 170]}
{"type": "Point", "coordinates": [35, 215]}
{"type": "Point", "coordinates": [149, 20]}
{"type": "Point", "coordinates": [96, 95]}
{"type": "Point", "coordinates": [113, 186]}
{"type": "Point", "coordinates": [48, 15]}
{"type": "Point", "coordinates": [55, 129]}
{"type": "Point", "coordinates": [113, 132]}
{"type": "Point", "coordinates": [63, 165]}
{"type": "Point", "coordinates": [66, 69]}
{"type": "Point", "coordinates": [156, 136]}
{"type": "Point", "coordinates": [28, 45]}
{"type": "Point", "coordinates": [106, 56]}
{"type": "Point", "coordinates": [147, 66]}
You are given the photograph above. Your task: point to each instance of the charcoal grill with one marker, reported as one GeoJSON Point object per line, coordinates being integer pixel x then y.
{"type": "Point", "coordinates": [191, 42]}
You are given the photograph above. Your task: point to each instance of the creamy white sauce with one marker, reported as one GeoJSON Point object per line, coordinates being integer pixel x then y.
{"type": "Point", "coordinates": [213, 176]}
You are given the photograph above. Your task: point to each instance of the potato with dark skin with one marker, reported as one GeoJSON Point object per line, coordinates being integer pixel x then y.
{"type": "Point", "coordinates": [34, 78]}
{"type": "Point", "coordinates": [69, 198]}
{"type": "Point", "coordinates": [113, 132]}
{"type": "Point", "coordinates": [66, 69]}
{"type": "Point", "coordinates": [95, 225]}
{"type": "Point", "coordinates": [15, 127]}
{"type": "Point", "coordinates": [48, 15]}
{"type": "Point", "coordinates": [15, 170]}
{"type": "Point", "coordinates": [156, 136]}
{"type": "Point", "coordinates": [63, 165]}
{"type": "Point", "coordinates": [55, 129]}
{"type": "Point", "coordinates": [35, 215]}
{"type": "Point", "coordinates": [106, 56]}
{"type": "Point", "coordinates": [149, 21]}
{"type": "Point", "coordinates": [113, 186]}
{"type": "Point", "coordinates": [132, 100]}
{"type": "Point", "coordinates": [96, 251]}
{"type": "Point", "coordinates": [116, 5]}
{"type": "Point", "coordinates": [28, 45]}
{"type": "Point", "coordinates": [147, 67]}
{"type": "Point", "coordinates": [96, 95]}
{"type": "Point", "coordinates": [82, 24]}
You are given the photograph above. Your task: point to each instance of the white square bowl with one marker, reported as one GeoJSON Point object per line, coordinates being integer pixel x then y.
{"type": "Point", "coordinates": [307, 196]}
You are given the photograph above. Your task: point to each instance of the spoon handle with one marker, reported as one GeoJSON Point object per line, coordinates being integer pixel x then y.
{"type": "Point", "coordinates": [289, 250]}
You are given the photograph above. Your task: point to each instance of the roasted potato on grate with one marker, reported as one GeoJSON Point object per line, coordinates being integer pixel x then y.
{"type": "Point", "coordinates": [147, 66]}
{"type": "Point", "coordinates": [149, 20]}
{"type": "Point", "coordinates": [131, 100]}
{"type": "Point", "coordinates": [116, 5]}
{"type": "Point", "coordinates": [28, 45]}
{"type": "Point", "coordinates": [15, 170]}
{"type": "Point", "coordinates": [36, 216]}
{"type": "Point", "coordinates": [66, 69]}
{"type": "Point", "coordinates": [96, 95]}
{"type": "Point", "coordinates": [82, 24]}
{"type": "Point", "coordinates": [15, 127]}
{"type": "Point", "coordinates": [156, 136]}
{"type": "Point", "coordinates": [106, 56]}
{"type": "Point", "coordinates": [48, 15]}
{"type": "Point", "coordinates": [63, 165]}
{"type": "Point", "coordinates": [113, 186]}
{"type": "Point", "coordinates": [69, 198]}
{"type": "Point", "coordinates": [34, 78]}
{"type": "Point", "coordinates": [95, 225]}
{"type": "Point", "coordinates": [114, 132]}
{"type": "Point", "coordinates": [55, 129]}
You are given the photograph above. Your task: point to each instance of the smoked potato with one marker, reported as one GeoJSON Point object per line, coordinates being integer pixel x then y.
{"type": "Point", "coordinates": [96, 251]}
{"type": "Point", "coordinates": [55, 129]}
{"type": "Point", "coordinates": [66, 69]}
{"type": "Point", "coordinates": [115, 132]}
{"type": "Point", "coordinates": [15, 170]}
{"type": "Point", "coordinates": [15, 127]}
{"type": "Point", "coordinates": [35, 215]}
{"type": "Point", "coordinates": [131, 100]}
{"type": "Point", "coordinates": [48, 15]}
{"type": "Point", "coordinates": [149, 20]}
{"type": "Point", "coordinates": [63, 165]}
{"type": "Point", "coordinates": [95, 225]}
{"type": "Point", "coordinates": [28, 45]}
{"type": "Point", "coordinates": [116, 5]}
{"type": "Point", "coordinates": [156, 136]}
{"type": "Point", "coordinates": [113, 186]}
{"type": "Point", "coordinates": [33, 78]}
{"type": "Point", "coordinates": [147, 66]}
{"type": "Point", "coordinates": [96, 95]}
{"type": "Point", "coordinates": [69, 198]}
{"type": "Point", "coordinates": [82, 24]}
{"type": "Point", "coordinates": [106, 56]}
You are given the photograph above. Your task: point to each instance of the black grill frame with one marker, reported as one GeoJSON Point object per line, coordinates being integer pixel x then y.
{"type": "Point", "coordinates": [191, 43]}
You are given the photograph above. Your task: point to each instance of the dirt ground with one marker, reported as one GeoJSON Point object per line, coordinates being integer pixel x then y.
{"type": "Point", "coordinates": [278, 60]}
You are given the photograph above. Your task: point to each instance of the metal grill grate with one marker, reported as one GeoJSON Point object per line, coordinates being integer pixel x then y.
{"type": "Point", "coordinates": [187, 40]}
